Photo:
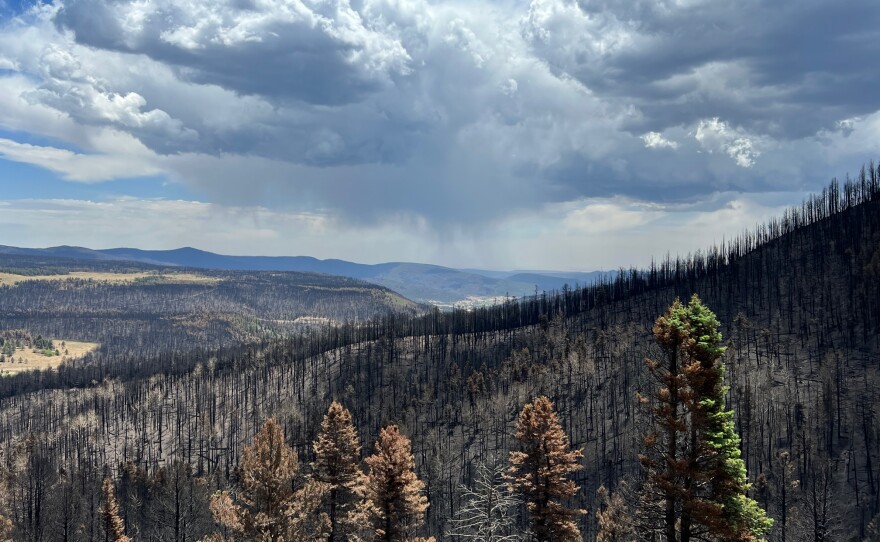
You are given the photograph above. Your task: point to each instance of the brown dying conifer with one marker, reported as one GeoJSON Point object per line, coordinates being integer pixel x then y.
{"type": "Point", "coordinates": [613, 516]}
{"type": "Point", "coordinates": [395, 501]}
{"type": "Point", "coordinates": [114, 527]}
{"type": "Point", "coordinates": [540, 473]}
{"type": "Point", "coordinates": [663, 492]}
{"type": "Point", "coordinates": [337, 464]}
{"type": "Point", "coordinates": [267, 507]}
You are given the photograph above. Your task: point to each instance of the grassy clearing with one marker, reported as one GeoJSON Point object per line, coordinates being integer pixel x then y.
{"type": "Point", "coordinates": [26, 359]}
{"type": "Point", "coordinates": [10, 279]}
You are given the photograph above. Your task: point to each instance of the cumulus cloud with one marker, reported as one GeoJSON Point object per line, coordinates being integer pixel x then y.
{"type": "Point", "coordinates": [784, 68]}
{"type": "Point", "coordinates": [317, 51]}
{"type": "Point", "coordinates": [655, 140]}
{"type": "Point", "coordinates": [716, 136]}
{"type": "Point", "coordinates": [66, 87]}
{"type": "Point", "coordinates": [7, 64]}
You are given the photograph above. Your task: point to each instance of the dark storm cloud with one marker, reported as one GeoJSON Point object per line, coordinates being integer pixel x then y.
{"type": "Point", "coordinates": [785, 68]}
{"type": "Point", "coordinates": [318, 53]}
{"type": "Point", "coordinates": [328, 85]}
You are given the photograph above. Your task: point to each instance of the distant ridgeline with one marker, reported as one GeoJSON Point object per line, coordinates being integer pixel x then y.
{"type": "Point", "coordinates": [799, 304]}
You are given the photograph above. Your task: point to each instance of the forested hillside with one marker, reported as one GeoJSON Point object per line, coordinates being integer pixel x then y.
{"type": "Point", "coordinates": [799, 302]}
{"type": "Point", "coordinates": [138, 312]}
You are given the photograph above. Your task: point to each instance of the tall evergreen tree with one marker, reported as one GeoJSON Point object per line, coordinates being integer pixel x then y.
{"type": "Point", "coordinates": [540, 473]}
{"type": "Point", "coordinates": [741, 516]}
{"type": "Point", "coordinates": [696, 485]}
{"type": "Point", "coordinates": [396, 503]}
{"type": "Point", "coordinates": [337, 464]}
{"type": "Point", "coordinates": [662, 492]}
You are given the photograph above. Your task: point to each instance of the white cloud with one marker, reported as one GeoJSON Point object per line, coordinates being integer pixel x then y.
{"type": "Point", "coordinates": [7, 64]}
{"type": "Point", "coordinates": [714, 135]}
{"type": "Point", "coordinates": [607, 234]}
{"type": "Point", "coordinates": [312, 50]}
{"type": "Point", "coordinates": [464, 38]}
{"type": "Point", "coordinates": [655, 140]}
{"type": "Point", "coordinates": [67, 87]}
{"type": "Point", "coordinates": [82, 167]}
{"type": "Point", "coordinates": [595, 217]}
{"type": "Point", "coordinates": [509, 87]}
{"type": "Point", "coordinates": [571, 35]}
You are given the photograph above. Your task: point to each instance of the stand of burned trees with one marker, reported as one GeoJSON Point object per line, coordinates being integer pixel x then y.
{"type": "Point", "coordinates": [798, 301]}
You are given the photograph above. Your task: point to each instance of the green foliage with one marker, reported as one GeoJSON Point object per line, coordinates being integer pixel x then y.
{"type": "Point", "coordinates": [748, 521]}
{"type": "Point", "coordinates": [742, 513]}
{"type": "Point", "coordinates": [44, 345]}
{"type": "Point", "coordinates": [702, 328]}
{"type": "Point", "coordinates": [697, 468]}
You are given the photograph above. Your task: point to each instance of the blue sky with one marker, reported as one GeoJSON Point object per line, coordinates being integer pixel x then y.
{"type": "Point", "coordinates": [22, 180]}
{"type": "Point", "coordinates": [490, 133]}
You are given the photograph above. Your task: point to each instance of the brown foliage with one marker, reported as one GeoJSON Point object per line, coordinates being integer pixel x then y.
{"type": "Point", "coordinates": [694, 473]}
{"type": "Point", "coordinates": [540, 473]}
{"type": "Point", "coordinates": [395, 501]}
{"type": "Point", "coordinates": [267, 507]}
{"type": "Point", "coordinates": [613, 518]}
{"type": "Point", "coordinates": [337, 464]}
{"type": "Point", "coordinates": [113, 524]}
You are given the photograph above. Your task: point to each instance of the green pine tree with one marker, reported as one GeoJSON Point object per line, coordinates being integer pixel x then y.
{"type": "Point", "coordinates": [703, 487]}
{"type": "Point", "coordinates": [743, 518]}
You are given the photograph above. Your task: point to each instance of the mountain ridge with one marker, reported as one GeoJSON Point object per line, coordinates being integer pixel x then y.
{"type": "Point", "coordinates": [421, 282]}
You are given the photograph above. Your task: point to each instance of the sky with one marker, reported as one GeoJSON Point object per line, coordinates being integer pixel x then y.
{"type": "Point", "coordinates": [503, 134]}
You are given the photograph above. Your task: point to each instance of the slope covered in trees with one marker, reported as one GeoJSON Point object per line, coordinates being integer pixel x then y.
{"type": "Point", "coordinates": [799, 306]}
{"type": "Point", "coordinates": [148, 319]}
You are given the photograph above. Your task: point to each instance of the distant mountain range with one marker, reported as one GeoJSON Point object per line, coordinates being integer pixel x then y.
{"type": "Point", "coordinates": [419, 282]}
